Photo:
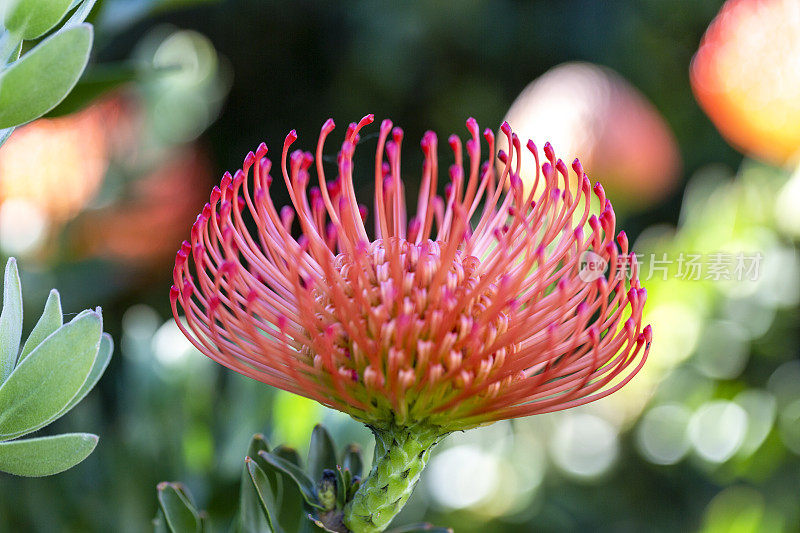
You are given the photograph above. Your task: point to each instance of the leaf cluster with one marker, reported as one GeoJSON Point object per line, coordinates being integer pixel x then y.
{"type": "Point", "coordinates": [55, 368]}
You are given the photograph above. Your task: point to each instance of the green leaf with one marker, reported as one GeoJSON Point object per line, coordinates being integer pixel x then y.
{"type": "Point", "coordinates": [304, 483]}
{"type": "Point", "coordinates": [279, 496]}
{"type": "Point", "coordinates": [98, 368]}
{"type": "Point", "coordinates": [179, 512]}
{"type": "Point", "coordinates": [289, 454]}
{"type": "Point", "coordinates": [95, 82]}
{"type": "Point", "coordinates": [16, 53]}
{"type": "Point", "coordinates": [352, 460]}
{"type": "Point", "coordinates": [252, 515]}
{"type": "Point", "coordinates": [321, 453]}
{"type": "Point", "coordinates": [10, 49]}
{"type": "Point", "coordinates": [45, 456]}
{"type": "Point", "coordinates": [80, 14]}
{"type": "Point", "coordinates": [30, 19]}
{"type": "Point", "coordinates": [10, 321]}
{"type": "Point", "coordinates": [51, 319]}
{"type": "Point", "coordinates": [257, 444]}
{"type": "Point", "coordinates": [342, 482]}
{"type": "Point", "coordinates": [160, 522]}
{"type": "Point", "coordinates": [38, 81]}
{"type": "Point", "coordinates": [265, 490]}
{"type": "Point", "coordinates": [41, 387]}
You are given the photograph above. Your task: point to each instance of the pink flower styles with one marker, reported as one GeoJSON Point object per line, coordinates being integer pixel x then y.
{"type": "Point", "coordinates": [470, 310]}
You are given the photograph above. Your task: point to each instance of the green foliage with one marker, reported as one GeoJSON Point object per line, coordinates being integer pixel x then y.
{"type": "Point", "coordinates": [10, 320]}
{"type": "Point", "coordinates": [58, 366]}
{"type": "Point", "coordinates": [280, 503]}
{"type": "Point", "coordinates": [96, 82]}
{"type": "Point", "coordinates": [45, 456]}
{"type": "Point", "coordinates": [251, 497]}
{"type": "Point", "coordinates": [278, 495]}
{"type": "Point", "coordinates": [321, 453]}
{"type": "Point", "coordinates": [33, 84]}
{"type": "Point", "coordinates": [177, 512]}
{"type": "Point", "coordinates": [30, 19]}
{"type": "Point", "coordinates": [352, 460]}
{"type": "Point", "coordinates": [51, 319]}
{"type": "Point", "coordinates": [296, 474]}
{"type": "Point", "coordinates": [42, 385]}
{"type": "Point", "coordinates": [25, 94]}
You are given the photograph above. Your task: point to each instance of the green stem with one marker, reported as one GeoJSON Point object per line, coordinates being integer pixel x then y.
{"type": "Point", "coordinates": [400, 455]}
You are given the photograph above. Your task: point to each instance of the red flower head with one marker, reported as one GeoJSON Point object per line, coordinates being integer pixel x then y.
{"type": "Point", "coordinates": [471, 310]}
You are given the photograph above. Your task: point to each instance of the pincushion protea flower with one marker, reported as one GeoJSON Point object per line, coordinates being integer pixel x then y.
{"type": "Point", "coordinates": [471, 310]}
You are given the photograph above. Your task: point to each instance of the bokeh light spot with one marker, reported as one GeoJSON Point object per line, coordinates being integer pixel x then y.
{"type": "Point", "coordinates": [23, 226]}
{"type": "Point", "coordinates": [661, 436]}
{"type": "Point", "coordinates": [170, 347]}
{"type": "Point", "coordinates": [584, 445]}
{"type": "Point", "coordinates": [462, 476]}
{"type": "Point", "coordinates": [717, 430]}
{"type": "Point", "coordinates": [760, 407]}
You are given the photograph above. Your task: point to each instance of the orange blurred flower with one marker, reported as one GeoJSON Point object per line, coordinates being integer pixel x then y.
{"type": "Point", "coordinates": [143, 228]}
{"type": "Point", "coordinates": [746, 76]}
{"type": "Point", "coordinates": [57, 165]}
{"type": "Point", "coordinates": [595, 114]}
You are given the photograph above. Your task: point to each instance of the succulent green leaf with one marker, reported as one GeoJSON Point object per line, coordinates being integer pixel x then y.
{"type": "Point", "coordinates": [321, 453]}
{"type": "Point", "coordinates": [289, 454]}
{"type": "Point", "coordinates": [30, 19]}
{"type": "Point", "coordinates": [80, 14]}
{"type": "Point", "coordinates": [257, 444]}
{"type": "Point", "coordinates": [342, 482]}
{"type": "Point", "coordinates": [16, 52]}
{"type": "Point", "coordinates": [253, 514]}
{"type": "Point", "coordinates": [45, 456]}
{"type": "Point", "coordinates": [10, 321]}
{"type": "Point", "coordinates": [41, 387]}
{"type": "Point", "coordinates": [265, 490]}
{"type": "Point", "coordinates": [278, 495]}
{"type": "Point", "coordinates": [10, 49]}
{"type": "Point", "coordinates": [52, 318]}
{"type": "Point", "coordinates": [97, 81]}
{"type": "Point", "coordinates": [304, 483]}
{"type": "Point", "coordinates": [180, 514]}
{"type": "Point", "coordinates": [352, 460]}
{"type": "Point", "coordinates": [37, 82]}
{"type": "Point", "coordinates": [160, 523]}
{"type": "Point", "coordinates": [98, 368]}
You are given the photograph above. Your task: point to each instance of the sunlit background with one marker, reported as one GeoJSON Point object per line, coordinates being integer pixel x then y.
{"type": "Point", "coordinates": [95, 201]}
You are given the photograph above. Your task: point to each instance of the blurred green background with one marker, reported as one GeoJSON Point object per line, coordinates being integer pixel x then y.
{"type": "Point", "coordinates": [706, 439]}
